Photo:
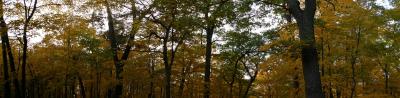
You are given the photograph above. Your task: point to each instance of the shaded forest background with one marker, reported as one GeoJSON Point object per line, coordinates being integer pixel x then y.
{"type": "Point", "coordinates": [199, 48]}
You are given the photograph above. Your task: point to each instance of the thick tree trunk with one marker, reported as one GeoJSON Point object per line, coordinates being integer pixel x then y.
{"type": "Point", "coordinates": [167, 67]}
{"type": "Point", "coordinates": [24, 57]}
{"type": "Point", "coordinates": [207, 71]}
{"type": "Point", "coordinates": [5, 41]}
{"type": "Point", "coordinates": [114, 49]}
{"type": "Point", "coordinates": [4, 36]}
{"type": "Point", "coordinates": [118, 63]}
{"type": "Point", "coordinates": [305, 22]}
{"type": "Point", "coordinates": [168, 62]}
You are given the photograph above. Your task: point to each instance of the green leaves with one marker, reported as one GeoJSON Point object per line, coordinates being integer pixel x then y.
{"type": "Point", "coordinates": [393, 14]}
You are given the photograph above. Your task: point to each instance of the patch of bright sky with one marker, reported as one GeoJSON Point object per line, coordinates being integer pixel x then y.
{"type": "Point", "coordinates": [384, 3]}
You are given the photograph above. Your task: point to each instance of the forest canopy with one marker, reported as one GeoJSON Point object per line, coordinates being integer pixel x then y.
{"type": "Point", "coordinates": [200, 48]}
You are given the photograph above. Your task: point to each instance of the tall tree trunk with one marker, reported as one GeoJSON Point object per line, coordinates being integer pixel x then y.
{"type": "Point", "coordinates": [210, 25]}
{"type": "Point", "coordinates": [28, 17]}
{"type": "Point", "coordinates": [8, 50]}
{"type": "Point", "coordinates": [4, 36]}
{"type": "Point", "coordinates": [118, 63]}
{"type": "Point", "coordinates": [207, 71]}
{"type": "Point", "coordinates": [305, 23]}
{"type": "Point", "coordinates": [114, 49]}
{"type": "Point", "coordinates": [167, 65]}
{"type": "Point", "coordinates": [168, 62]}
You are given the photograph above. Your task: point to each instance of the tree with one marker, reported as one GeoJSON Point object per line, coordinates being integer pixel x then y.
{"type": "Point", "coordinates": [114, 43]}
{"type": "Point", "coordinates": [4, 36]}
{"type": "Point", "coordinates": [28, 16]}
{"type": "Point", "coordinates": [210, 22]}
{"type": "Point", "coordinates": [157, 48]}
{"type": "Point", "coordinates": [8, 49]}
{"type": "Point", "coordinates": [305, 22]}
{"type": "Point", "coordinates": [244, 49]}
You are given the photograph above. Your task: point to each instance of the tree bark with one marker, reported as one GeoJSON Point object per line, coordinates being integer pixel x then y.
{"type": "Point", "coordinates": [28, 17]}
{"type": "Point", "coordinates": [4, 36]}
{"type": "Point", "coordinates": [8, 50]}
{"type": "Point", "coordinates": [114, 50]}
{"type": "Point", "coordinates": [207, 71]}
{"type": "Point", "coordinates": [119, 62]}
{"type": "Point", "coordinates": [166, 65]}
{"type": "Point", "coordinates": [305, 22]}
{"type": "Point", "coordinates": [210, 26]}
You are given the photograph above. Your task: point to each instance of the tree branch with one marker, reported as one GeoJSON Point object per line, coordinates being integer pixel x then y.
{"type": "Point", "coordinates": [295, 10]}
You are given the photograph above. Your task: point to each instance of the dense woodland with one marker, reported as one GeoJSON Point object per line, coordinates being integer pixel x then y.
{"type": "Point", "coordinates": [200, 48]}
